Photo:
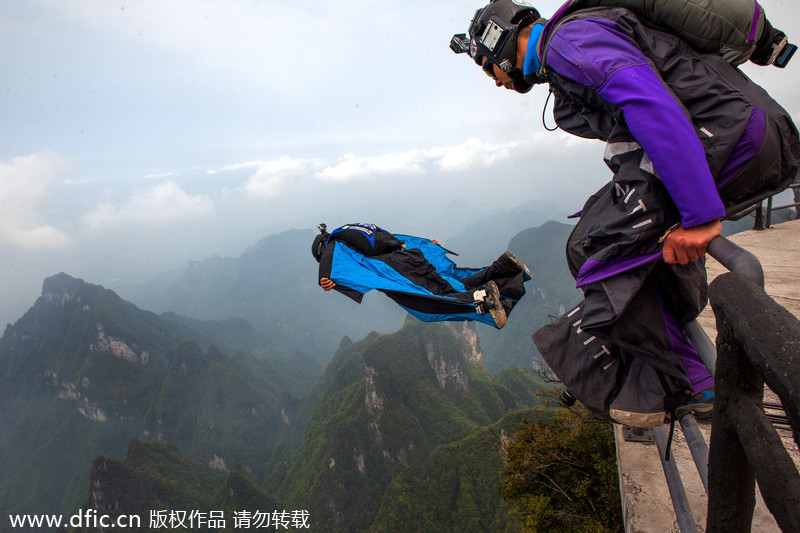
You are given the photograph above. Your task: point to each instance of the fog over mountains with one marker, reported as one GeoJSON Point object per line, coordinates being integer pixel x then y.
{"type": "Point", "coordinates": [239, 373]}
{"type": "Point", "coordinates": [163, 166]}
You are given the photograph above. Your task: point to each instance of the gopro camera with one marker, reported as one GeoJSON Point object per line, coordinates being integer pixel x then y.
{"type": "Point", "coordinates": [459, 43]}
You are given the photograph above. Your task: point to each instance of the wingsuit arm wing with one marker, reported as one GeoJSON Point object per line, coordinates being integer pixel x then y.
{"type": "Point", "coordinates": [325, 267]}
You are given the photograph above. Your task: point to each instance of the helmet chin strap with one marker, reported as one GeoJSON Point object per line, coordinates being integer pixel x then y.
{"type": "Point", "coordinates": [534, 79]}
{"type": "Point", "coordinates": [521, 84]}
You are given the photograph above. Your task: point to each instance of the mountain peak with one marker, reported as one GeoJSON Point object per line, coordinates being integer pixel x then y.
{"type": "Point", "coordinates": [61, 288]}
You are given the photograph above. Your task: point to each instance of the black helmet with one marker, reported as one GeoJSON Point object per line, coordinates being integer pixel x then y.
{"type": "Point", "coordinates": [493, 34]}
{"type": "Point", "coordinates": [320, 241]}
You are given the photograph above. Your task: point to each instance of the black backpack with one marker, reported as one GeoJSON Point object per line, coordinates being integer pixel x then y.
{"type": "Point", "coordinates": [367, 239]}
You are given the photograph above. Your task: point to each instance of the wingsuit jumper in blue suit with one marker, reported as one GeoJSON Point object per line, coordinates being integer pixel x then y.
{"type": "Point", "coordinates": [689, 140]}
{"type": "Point", "coordinates": [415, 273]}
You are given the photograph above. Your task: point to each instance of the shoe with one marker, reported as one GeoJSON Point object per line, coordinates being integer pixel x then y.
{"type": "Point", "coordinates": [488, 300]}
{"type": "Point", "coordinates": [702, 402]}
{"type": "Point", "coordinates": [510, 261]}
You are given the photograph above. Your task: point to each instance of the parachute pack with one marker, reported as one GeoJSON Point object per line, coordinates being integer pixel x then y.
{"type": "Point", "coordinates": [367, 239]}
{"type": "Point", "coordinates": [738, 30]}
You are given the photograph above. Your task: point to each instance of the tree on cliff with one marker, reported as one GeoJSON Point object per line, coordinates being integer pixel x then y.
{"type": "Point", "coordinates": [561, 474]}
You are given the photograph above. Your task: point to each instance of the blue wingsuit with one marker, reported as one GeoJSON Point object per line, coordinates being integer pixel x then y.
{"type": "Point", "coordinates": [418, 276]}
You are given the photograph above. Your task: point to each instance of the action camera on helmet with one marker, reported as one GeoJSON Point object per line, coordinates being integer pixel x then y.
{"type": "Point", "coordinates": [493, 34]}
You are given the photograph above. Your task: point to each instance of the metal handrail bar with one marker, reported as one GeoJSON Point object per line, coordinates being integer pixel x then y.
{"type": "Point", "coordinates": [680, 502]}
{"type": "Point", "coordinates": [741, 214]}
{"type": "Point", "coordinates": [787, 206]}
{"type": "Point", "coordinates": [735, 259]}
{"type": "Point", "coordinates": [698, 446]}
{"type": "Point", "coordinates": [703, 344]}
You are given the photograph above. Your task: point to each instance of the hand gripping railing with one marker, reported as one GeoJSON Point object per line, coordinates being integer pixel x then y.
{"type": "Point", "coordinates": [735, 259]}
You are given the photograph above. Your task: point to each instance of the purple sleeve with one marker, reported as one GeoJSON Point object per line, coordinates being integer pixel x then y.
{"type": "Point", "coordinates": [594, 53]}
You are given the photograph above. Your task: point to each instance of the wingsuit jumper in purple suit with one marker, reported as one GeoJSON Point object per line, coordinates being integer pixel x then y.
{"type": "Point", "coordinates": [690, 139]}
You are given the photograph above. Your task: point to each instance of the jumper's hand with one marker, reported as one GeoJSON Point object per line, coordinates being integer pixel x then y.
{"type": "Point", "coordinates": [684, 245]}
{"type": "Point", "coordinates": [326, 284]}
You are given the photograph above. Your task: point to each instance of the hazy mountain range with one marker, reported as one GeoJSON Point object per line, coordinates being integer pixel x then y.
{"type": "Point", "coordinates": [236, 383]}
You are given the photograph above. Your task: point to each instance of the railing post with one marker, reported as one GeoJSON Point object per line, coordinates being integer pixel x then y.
{"type": "Point", "coordinates": [759, 223]}
{"type": "Point", "coordinates": [683, 511]}
{"type": "Point", "coordinates": [769, 213]}
{"type": "Point", "coordinates": [731, 481]}
{"type": "Point", "coordinates": [697, 446]}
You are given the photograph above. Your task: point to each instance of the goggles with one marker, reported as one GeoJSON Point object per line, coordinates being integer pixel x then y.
{"type": "Point", "coordinates": [488, 68]}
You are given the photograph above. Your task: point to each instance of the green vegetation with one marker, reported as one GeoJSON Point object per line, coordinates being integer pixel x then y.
{"type": "Point", "coordinates": [456, 489]}
{"type": "Point", "coordinates": [157, 478]}
{"type": "Point", "coordinates": [83, 371]}
{"type": "Point", "coordinates": [403, 431]}
{"type": "Point", "coordinates": [561, 475]}
{"type": "Point", "coordinates": [387, 415]}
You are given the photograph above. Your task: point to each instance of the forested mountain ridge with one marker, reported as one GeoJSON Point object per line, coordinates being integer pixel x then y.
{"type": "Point", "coordinates": [95, 371]}
{"type": "Point", "coordinates": [83, 371]}
{"type": "Point", "coordinates": [408, 434]}
{"type": "Point", "coordinates": [390, 401]}
{"type": "Point", "coordinates": [395, 418]}
{"type": "Point", "coordinates": [157, 488]}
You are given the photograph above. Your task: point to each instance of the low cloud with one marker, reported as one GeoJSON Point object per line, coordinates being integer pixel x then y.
{"type": "Point", "coordinates": [352, 167]}
{"type": "Point", "coordinates": [472, 153]}
{"type": "Point", "coordinates": [152, 206]}
{"type": "Point", "coordinates": [26, 183]}
{"type": "Point", "coordinates": [160, 176]}
{"type": "Point", "coordinates": [271, 178]}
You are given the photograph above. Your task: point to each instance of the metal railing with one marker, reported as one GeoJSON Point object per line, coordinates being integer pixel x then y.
{"type": "Point", "coordinates": [757, 344]}
{"type": "Point", "coordinates": [770, 208]}
{"type": "Point", "coordinates": [763, 217]}
{"type": "Point", "coordinates": [735, 259]}
{"type": "Point", "coordinates": [744, 444]}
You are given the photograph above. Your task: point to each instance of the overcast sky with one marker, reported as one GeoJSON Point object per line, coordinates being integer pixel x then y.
{"type": "Point", "coordinates": [139, 135]}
